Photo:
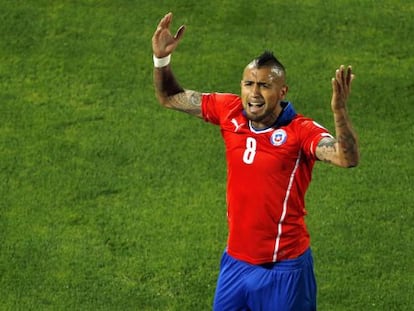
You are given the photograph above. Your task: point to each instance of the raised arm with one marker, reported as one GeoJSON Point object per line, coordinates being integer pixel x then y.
{"type": "Point", "coordinates": [343, 150]}
{"type": "Point", "coordinates": [167, 89]}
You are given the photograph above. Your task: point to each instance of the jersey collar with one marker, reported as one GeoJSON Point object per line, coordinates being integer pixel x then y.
{"type": "Point", "coordinates": [284, 118]}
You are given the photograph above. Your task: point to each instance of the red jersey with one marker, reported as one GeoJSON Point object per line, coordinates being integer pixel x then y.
{"type": "Point", "coordinates": [268, 173]}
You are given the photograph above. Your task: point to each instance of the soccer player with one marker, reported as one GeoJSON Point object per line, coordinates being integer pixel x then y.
{"type": "Point", "coordinates": [270, 153]}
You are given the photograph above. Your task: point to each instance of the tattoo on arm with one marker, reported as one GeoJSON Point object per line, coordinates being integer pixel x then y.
{"type": "Point", "coordinates": [342, 151]}
{"type": "Point", "coordinates": [171, 95]}
{"type": "Point", "coordinates": [346, 141]}
{"type": "Point", "coordinates": [187, 101]}
{"type": "Point", "coordinates": [326, 150]}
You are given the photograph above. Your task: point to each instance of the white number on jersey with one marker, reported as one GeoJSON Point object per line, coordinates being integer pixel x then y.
{"type": "Point", "coordinates": [250, 152]}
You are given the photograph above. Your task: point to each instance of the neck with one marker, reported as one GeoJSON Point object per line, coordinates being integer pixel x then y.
{"type": "Point", "coordinates": [269, 120]}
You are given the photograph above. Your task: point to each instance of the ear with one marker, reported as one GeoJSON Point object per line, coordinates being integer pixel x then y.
{"type": "Point", "coordinates": [283, 91]}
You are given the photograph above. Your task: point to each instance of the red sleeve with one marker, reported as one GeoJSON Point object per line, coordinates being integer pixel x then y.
{"type": "Point", "coordinates": [311, 134]}
{"type": "Point", "coordinates": [215, 106]}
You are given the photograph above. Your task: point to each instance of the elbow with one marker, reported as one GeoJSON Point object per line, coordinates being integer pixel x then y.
{"type": "Point", "coordinates": [163, 101]}
{"type": "Point", "coordinates": [352, 162]}
{"type": "Point", "coordinates": [168, 99]}
{"type": "Point", "coordinates": [350, 156]}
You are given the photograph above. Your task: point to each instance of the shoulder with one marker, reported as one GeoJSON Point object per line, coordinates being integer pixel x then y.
{"type": "Point", "coordinates": [309, 133]}
{"type": "Point", "coordinates": [305, 123]}
{"type": "Point", "coordinates": [221, 98]}
{"type": "Point", "coordinates": [216, 106]}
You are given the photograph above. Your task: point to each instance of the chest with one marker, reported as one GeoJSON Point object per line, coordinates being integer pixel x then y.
{"type": "Point", "coordinates": [272, 150]}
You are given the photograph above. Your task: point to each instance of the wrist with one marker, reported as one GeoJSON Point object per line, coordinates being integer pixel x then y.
{"type": "Point", "coordinates": [161, 62]}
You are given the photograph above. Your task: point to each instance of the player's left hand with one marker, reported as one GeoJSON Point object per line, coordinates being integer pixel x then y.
{"type": "Point", "coordinates": [341, 87]}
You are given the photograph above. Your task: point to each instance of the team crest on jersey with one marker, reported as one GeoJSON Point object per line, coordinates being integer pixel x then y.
{"type": "Point", "coordinates": [278, 137]}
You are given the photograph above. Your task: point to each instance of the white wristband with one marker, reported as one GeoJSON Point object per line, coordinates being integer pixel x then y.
{"type": "Point", "coordinates": [161, 62]}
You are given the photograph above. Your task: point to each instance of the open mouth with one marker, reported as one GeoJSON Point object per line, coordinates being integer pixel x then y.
{"type": "Point", "coordinates": [255, 107]}
{"type": "Point", "coordinates": [258, 105]}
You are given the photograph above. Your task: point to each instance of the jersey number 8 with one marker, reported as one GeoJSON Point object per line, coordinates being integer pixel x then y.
{"type": "Point", "coordinates": [250, 152]}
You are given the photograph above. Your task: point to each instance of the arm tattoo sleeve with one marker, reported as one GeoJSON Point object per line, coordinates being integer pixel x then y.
{"type": "Point", "coordinates": [187, 101]}
{"type": "Point", "coordinates": [346, 140]}
{"type": "Point", "coordinates": [327, 149]}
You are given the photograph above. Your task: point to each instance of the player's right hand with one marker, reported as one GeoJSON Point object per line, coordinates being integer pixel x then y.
{"type": "Point", "coordinates": [163, 42]}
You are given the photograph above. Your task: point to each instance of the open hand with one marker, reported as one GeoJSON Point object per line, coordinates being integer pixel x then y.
{"type": "Point", "coordinates": [163, 42]}
{"type": "Point", "coordinates": [341, 87]}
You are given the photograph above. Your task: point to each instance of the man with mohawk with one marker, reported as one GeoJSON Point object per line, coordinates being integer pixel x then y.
{"type": "Point", "coordinates": [270, 153]}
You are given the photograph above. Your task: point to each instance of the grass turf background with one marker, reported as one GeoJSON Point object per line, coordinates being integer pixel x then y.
{"type": "Point", "coordinates": [109, 202]}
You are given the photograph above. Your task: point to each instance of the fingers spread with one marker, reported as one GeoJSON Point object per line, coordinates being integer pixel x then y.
{"type": "Point", "coordinates": [341, 74]}
{"type": "Point", "coordinates": [334, 85]}
{"type": "Point", "coordinates": [349, 76]}
{"type": "Point", "coordinates": [344, 76]}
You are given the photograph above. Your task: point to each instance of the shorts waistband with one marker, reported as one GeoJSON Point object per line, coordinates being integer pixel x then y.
{"type": "Point", "coordinates": [289, 263]}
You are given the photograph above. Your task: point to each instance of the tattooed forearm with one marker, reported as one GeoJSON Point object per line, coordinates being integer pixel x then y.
{"type": "Point", "coordinates": [342, 151]}
{"type": "Point", "coordinates": [165, 83]}
{"type": "Point", "coordinates": [346, 140]}
{"type": "Point", "coordinates": [347, 143]}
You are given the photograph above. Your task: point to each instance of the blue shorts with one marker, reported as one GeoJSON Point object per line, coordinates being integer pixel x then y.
{"type": "Point", "coordinates": [288, 285]}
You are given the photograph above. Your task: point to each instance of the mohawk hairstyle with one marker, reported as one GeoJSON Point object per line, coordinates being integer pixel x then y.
{"type": "Point", "coordinates": [268, 59]}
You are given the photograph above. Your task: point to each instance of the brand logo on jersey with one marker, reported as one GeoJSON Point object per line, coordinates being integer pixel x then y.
{"type": "Point", "coordinates": [278, 137]}
{"type": "Point", "coordinates": [236, 124]}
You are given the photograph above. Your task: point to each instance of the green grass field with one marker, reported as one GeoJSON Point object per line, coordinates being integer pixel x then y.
{"type": "Point", "coordinates": [110, 202]}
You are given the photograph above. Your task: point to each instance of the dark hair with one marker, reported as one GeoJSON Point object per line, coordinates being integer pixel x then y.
{"type": "Point", "coordinates": [268, 59]}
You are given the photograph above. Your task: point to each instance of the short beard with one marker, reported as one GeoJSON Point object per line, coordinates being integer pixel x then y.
{"type": "Point", "coordinates": [267, 119]}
